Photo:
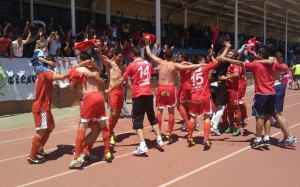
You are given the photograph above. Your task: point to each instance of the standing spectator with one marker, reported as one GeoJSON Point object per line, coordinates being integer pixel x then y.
{"type": "Point", "coordinates": [55, 45]}
{"type": "Point", "coordinates": [17, 45]}
{"type": "Point", "coordinates": [114, 34]}
{"type": "Point", "coordinates": [5, 43]}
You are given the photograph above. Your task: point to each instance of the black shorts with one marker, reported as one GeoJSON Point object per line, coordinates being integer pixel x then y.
{"type": "Point", "coordinates": [219, 93]}
{"type": "Point", "coordinates": [263, 105]}
{"type": "Point", "coordinates": [141, 105]}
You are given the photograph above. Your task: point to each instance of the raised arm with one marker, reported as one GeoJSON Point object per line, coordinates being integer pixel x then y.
{"type": "Point", "coordinates": [149, 53]}
{"type": "Point", "coordinates": [269, 61]}
{"type": "Point", "coordinates": [188, 67]}
{"type": "Point", "coordinates": [105, 62]}
{"type": "Point", "coordinates": [89, 63]}
{"type": "Point", "coordinates": [231, 61]}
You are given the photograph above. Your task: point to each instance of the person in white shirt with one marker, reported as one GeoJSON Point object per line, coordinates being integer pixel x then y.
{"type": "Point", "coordinates": [17, 45]}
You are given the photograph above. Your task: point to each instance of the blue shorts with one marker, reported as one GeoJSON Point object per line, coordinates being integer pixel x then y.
{"type": "Point", "coordinates": [263, 105]}
{"type": "Point", "coordinates": [279, 97]}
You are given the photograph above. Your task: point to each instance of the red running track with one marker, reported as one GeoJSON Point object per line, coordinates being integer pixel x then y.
{"type": "Point", "coordinates": [230, 162]}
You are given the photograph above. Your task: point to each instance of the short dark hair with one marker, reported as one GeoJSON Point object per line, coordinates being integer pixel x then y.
{"type": "Point", "coordinates": [169, 54]}
{"type": "Point", "coordinates": [235, 53]}
{"type": "Point", "coordinates": [136, 51]}
{"type": "Point", "coordinates": [184, 56]}
{"type": "Point", "coordinates": [264, 53]}
{"type": "Point", "coordinates": [196, 58]}
{"type": "Point", "coordinates": [278, 55]}
{"type": "Point", "coordinates": [85, 56]}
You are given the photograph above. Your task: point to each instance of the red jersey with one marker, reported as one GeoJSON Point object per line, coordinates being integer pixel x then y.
{"type": "Point", "coordinates": [140, 70]}
{"type": "Point", "coordinates": [185, 76]}
{"type": "Point", "coordinates": [239, 82]}
{"type": "Point", "coordinates": [4, 43]}
{"type": "Point", "coordinates": [263, 76]}
{"type": "Point", "coordinates": [199, 82]}
{"type": "Point", "coordinates": [43, 92]}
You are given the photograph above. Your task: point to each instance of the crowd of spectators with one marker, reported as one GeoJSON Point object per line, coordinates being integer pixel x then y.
{"type": "Point", "coordinates": [121, 35]}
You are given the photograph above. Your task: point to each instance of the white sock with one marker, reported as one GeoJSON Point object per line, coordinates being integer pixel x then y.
{"type": "Point", "coordinates": [159, 138]}
{"type": "Point", "coordinates": [143, 144]}
{"type": "Point", "coordinates": [257, 139]}
{"type": "Point", "coordinates": [266, 137]}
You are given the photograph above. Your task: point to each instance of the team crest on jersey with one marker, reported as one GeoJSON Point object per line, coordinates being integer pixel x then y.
{"type": "Point", "coordinates": [165, 93]}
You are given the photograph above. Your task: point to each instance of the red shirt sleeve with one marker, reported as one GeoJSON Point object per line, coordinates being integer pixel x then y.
{"type": "Point", "coordinates": [128, 71]}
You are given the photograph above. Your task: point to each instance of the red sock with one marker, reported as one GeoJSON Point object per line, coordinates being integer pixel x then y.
{"type": "Point", "coordinates": [87, 148]}
{"type": "Point", "coordinates": [36, 143]}
{"type": "Point", "coordinates": [238, 115]}
{"type": "Point", "coordinates": [206, 130]}
{"type": "Point", "coordinates": [159, 118]}
{"type": "Point", "coordinates": [112, 120]}
{"type": "Point", "coordinates": [79, 143]}
{"type": "Point", "coordinates": [230, 116]}
{"type": "Point", "coordinates": [190, 128]}
{"type": "Point", "coordinates": [171, 122]}
{"type": "Point", "coordinates": [243, 108]}
{"type": "Point", "coordinates": [45, 139]}
{"type": "Point", "coordinates": [106, 136]}
{"type": "Point", "coordinates": [183, 113]}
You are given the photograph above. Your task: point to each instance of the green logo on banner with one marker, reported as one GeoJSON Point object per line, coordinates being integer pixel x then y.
{"type": "Point", "coordinates": [3, 78]}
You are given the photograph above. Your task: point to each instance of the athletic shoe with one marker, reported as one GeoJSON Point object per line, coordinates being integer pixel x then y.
{"type": "Point", "coordinates": [184, 127]}
{"type": "Point", "coordinates": [266, 143]}
{"type": "Point", "coordinates": [257, 145]}
{"type": "Point", "coordinates": [76, 163]}
{"type": "Point", "coordinates": [228, 129]}
{"type": "Point", "coordinates": [88, 156]}
{"type": "Point", "coordinates": [112, 140]}
{"type": "Point", "coordinates": [159, 143]}
{"type": "Point", "coordinates": [288, 141]}
{"type": "Point", "coordinates": [35, 160]}
{"type": "Point", "coordinates": [237, 131]}
{"type": "Point", "coordinates": [207, 144]}
{"type": "Point", "coordinates": [215, 131]}
{"type": "Point", "coordinates": [42, 153]}
{"type": "Point", "coordinates": [140, 150]}
{"type": "Point", "coordinates": [169, 138]}
{"type": "Point", "coordinates": [107, 157]}
{"type": "Point", "coordinates": [191, 142]}
{"type": "Point", "coordinates": [196, 126]}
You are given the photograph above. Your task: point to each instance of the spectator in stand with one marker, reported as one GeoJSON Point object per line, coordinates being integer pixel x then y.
{"type": "Point", "coordinates": [125, 30]}
{"type": "Point", "coordinates": [127, 46]}
{"type": "Point", "coordinates": [17, 45]}
{"type": "Point", "coordinates": [55, 45]}
{"type": "Point", "coordinates": [6, 43]}
{"type": "Point", "coordinates": [5, 46]}
{"type": "Point", "coordinates": [114, 34]}
{"type": "Point", "coordinates": [68, 42]}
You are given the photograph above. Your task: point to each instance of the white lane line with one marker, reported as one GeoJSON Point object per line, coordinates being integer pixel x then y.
{"type": "Point", "coordinates": [123, 119]}
{"type": "Point", "coordinates": [48, 150]}
{"type": "Point", "coordinates": [215, 162]}
{"type": "Point", "coordinates": [72, 171]}
{"type": "Point", "coordinates": [7, 141]}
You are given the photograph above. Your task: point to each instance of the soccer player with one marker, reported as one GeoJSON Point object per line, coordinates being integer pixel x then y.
{"type": "Point", "coordinates": [92, 107]}
{"type": "Point", "coordinates": [116, 97]}
{"type": "Point", "coordinates": [263, 103]}
{"type": "Point", "coordinates": [140, 71]}
{"type": "Point", "coordinates": [165, 95]}
{"type": "Point", "coordinates": [41, 110]}
{"type": "Point", "coordinates": [201, 102]}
